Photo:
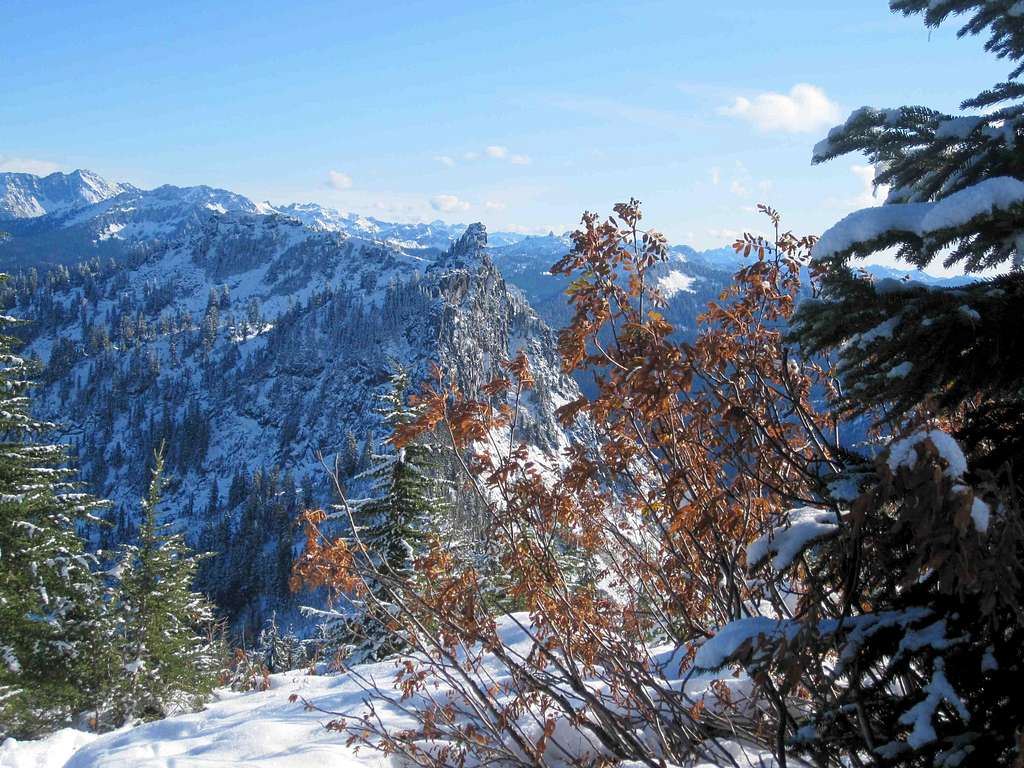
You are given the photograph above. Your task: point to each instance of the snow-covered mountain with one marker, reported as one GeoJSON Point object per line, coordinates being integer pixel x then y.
{"type": "Point", "coordinates": [254, 345]}
{"type": "Point", "coordinates": [65, 218]}
{"type": "Point", "coordinates": [685, 280]}
{"type": "Point", "coordinates": [130, 221]}
{"type": "Point", "coordinates": [436, 234]}
{"type": "Point", "coordinates": [25, 196]}
{"type": "Point", "coordinates": [254, 342]}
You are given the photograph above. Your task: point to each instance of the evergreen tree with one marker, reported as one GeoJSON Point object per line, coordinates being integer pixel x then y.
{"type": "Point", "coordinates": [392, 525]}
{"type": "Point", "coordinates": [279, 652]}
{"type": "Point", "coordinates": [167, 655]}
{"type": "Point", "coordinates": [292, 651]}
{"type": "Point", "coordinates": [268, 645]}
{"type": "Point", "coordinates": [936, 537]}
{"type": "Point", "coordinates": [211, 322]}
{"type": "Point", "coordinates": [956, 193]}
{"type": "Point", "coordinates": [331, 638]}
{"type": "Point", "coordinates": [350, 458]}
{"type": "Point", "coordinates": [366, 455]}
{"type": "Point", "coordinates": [51, 613]}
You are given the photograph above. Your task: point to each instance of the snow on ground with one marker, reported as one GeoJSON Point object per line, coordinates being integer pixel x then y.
{"type": "Point", "coordinates": [251, 729]}
{"type": "Point", "coordinates": [267, 730]}
{"type": "Point", "coordinates": [51, 752]}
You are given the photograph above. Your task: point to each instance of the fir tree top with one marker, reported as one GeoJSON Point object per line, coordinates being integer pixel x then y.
{"type": "Point", "coordinates": [954, 180]}
{"type": "Point", "coordinates": [956, 193]}
{"type": "Point", "coordinates": [1002, 19]}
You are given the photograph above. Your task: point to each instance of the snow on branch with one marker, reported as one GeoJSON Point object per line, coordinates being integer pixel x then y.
{"type": "Point", "coordinates": [803, 526]}
{"type": "Point", "coordinates": [902, 453]}
{"type": "Point", "coordinates": [921, 716]}
{"type": "Point", "coordinates": [738, 637]}
{"type": "Point", "coordinates": [920, 220]}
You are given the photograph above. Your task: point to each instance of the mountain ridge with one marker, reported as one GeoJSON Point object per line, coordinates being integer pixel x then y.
{"type": "Point", "coordinates": [112, 222]}
{"type": "Point", "coordinates": [255, 348]}
{"type": "Point", "coordinates": [25, 195]}
{"type": "Point", "coordinates": [254, 342]}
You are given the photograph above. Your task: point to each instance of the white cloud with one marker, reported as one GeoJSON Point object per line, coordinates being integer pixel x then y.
{"type": "Point", "coordinates": [445, 160]}
{"type": "Point", "coordinates": [868, 196]}
{"type": "Point", "coordinates": [805, 108]}
{"type": "Point", "coordinates": [495, 205]}
{"type": "Point", "coordinates": [338, 180]}
{"type": "Point", "coordinates": [738, 188]}
{"type": "Point", "coordinates": [27, 165]}
{"type": "Point", "coordinates": [716, 175]}
{"type": "Point", "coordinates": [724, 236]}
{"type": "Point", "coordinates": [494, 152]}
{"type": "Point", "coordinates": [448, 203]}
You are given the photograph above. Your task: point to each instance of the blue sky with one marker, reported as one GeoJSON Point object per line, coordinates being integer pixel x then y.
{"type": "Point", "coordinates": [520, 114]}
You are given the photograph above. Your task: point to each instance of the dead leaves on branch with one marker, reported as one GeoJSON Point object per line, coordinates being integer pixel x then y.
{"type": "Point", "coordinates": [328, 563]}
{"type": "Point", "coordinates": [639, 535]}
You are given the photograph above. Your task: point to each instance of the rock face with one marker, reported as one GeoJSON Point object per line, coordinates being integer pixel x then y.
{"type": "Point", "coordinates": [254, 347]}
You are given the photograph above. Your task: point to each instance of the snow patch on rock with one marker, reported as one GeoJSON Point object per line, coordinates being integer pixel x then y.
{"type": "Point", "coordinates": [675, 282]}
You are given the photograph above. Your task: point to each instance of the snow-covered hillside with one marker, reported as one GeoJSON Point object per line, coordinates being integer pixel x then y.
{"type": "Point", "coordinates": [24, 196]}
{"type": "Point", "coordinates": [243, 729]}
{"type": "Point", "coordinates": [255, 346]}
{"type": "Point", "coordinates": [239, 729]}
{"type": "Point", "coordinates": [254, 341]}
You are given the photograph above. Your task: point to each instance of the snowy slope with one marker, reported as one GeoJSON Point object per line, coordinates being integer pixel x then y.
{"type": "Point", "coordinates": [25, 196]}
{"type": "Point", "coordinates": [245, 729]}
{"type": "Point", "coordinates": [268, 729]}
{"type": "Point", "coordinates": [240, 729]}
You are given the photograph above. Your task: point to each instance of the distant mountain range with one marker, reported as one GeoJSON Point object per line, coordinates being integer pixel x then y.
{"type": "Point", "coordinates": [25, 196]}
{"type": "Point", "coordinates": [62, 218]}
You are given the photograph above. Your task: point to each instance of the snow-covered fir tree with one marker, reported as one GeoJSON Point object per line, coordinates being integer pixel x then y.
{"type": "Point", "coordinates": [279, 652]}
{"type": "Point", "coordinates": [391, 526]}
{"type": "Point", "coordinates": [937, 537]}
{"type": "Point", "coordinates": [167, 653]}
{"type": "Point", "coordinates": [52, 620]}
{"type": "Point", "coordinates": [954, 193]}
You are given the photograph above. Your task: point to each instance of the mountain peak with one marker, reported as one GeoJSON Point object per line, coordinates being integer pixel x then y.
{"type": "Point", "coordinates": [472, 242]}
{"type": "Point", "coordinates": [26, 196]}
{"type": "Point", "coordinates": [469, 250]}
